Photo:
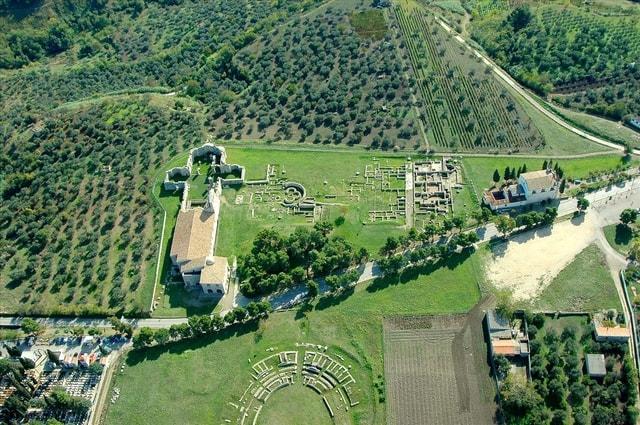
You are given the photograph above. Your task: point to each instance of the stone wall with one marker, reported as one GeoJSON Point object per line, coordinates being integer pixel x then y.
{"type": "Point", "coordinates": [219, 163]}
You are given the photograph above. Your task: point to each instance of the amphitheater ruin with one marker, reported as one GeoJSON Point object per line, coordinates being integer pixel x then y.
{"type": "Point", "coordinates": [308, 365]}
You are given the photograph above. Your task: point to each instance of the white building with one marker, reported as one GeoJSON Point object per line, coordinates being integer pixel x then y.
{"type": "Point", "coordinates": [533, 187]}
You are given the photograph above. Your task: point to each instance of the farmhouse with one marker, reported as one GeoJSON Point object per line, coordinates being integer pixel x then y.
{"type": "Point", "coordinates": [604, 330]}
{"type": "Point", "coordinates": [596, 366]}
{"type": "Point", "coordinates": [617, 334]}
{"type": "Point", "coordinates": [533, 187]}
{"type": "Point", "coordinates": [503, 339]}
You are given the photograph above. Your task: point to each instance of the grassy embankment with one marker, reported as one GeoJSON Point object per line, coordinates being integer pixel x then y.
{"type": "Point", "coordinates": [584, 285]}
{"type": "Point", "coordinates": [214, 371]}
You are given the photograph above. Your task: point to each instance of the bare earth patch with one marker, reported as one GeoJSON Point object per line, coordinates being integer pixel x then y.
{"type": "Point", "coordinates": [528, 262]}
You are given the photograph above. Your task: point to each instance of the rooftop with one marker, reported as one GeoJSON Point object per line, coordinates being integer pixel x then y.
{"type": "Point", "coordinates": [215, 273]}
{"type": "Point", "coordinates": [192, 238]}
{"type": "Point", "coordinates": [596, 365]}
{"type": "Point", "coordinates": [537, 180]}
{"type": "Point", "coordinates": [612, 332]}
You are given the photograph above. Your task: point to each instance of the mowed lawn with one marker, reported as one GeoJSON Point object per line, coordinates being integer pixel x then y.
{"type": "Point", "coordinates": [326, 177]}
{"type": "Point", "coordinates": [193, 382]}
{"type": "Point", "coordinates": [620, 237]}
{"type": "Point", "coordinates": [584, 285]}
{"type": "Point", "coordinates": [480, 170]}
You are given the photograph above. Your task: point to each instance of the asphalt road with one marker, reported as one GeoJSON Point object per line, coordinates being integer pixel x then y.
{"type": "Point", "coordinates": [608, 202]}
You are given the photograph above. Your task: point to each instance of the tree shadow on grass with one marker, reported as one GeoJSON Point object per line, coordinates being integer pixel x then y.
{"type": "Point", "coordinates": [331, 300]}
{"type": "Point", "coordinates": [452, 261]}
{"type": "Point", "coordinates": [383, 282]}
{"type": "Point", "coordinates": [178, 347]}
{"type": "Point", "coordinates": [303, 310]}
{"type": "Point", "coordinates": [13, 284]}
{"type": "Point", "coordinates": [624, 234]}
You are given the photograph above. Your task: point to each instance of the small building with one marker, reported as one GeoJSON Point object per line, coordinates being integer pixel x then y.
{"type": "Point", "coordinates": [533, 187]}
{"type": "Point", "coordinates": [67, 361]}
{"type": "Point", "coordinates": [498, 325]}
{"type": "Point", "coordinates": [596, 366]}
{"type": "Point", "coordinates": [83, 360]}
{"type": "Point", "coordinates": [605, 328]}
{"type": "Point", "coordinates": [635, 122]}
{"type": "Point", "coordinates": [503, 339]}
{"type": "Point", "coordinates": [608, 334]}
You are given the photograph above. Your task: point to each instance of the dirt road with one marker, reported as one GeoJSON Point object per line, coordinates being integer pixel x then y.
{"type": "Point", "coordinates": [525, 94]}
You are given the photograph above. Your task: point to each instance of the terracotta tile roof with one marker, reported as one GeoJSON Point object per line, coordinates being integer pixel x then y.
{"type": "Point", "coordinates": [537, 180]}
{"type": "Point", "coordinates": [215, 273]}
{"type": "Point", "coordinates": [192, 237]}
{"type": "Point", "coordinates": [505, 347]}
{"type": "Point", "coordinates": [612, 332]}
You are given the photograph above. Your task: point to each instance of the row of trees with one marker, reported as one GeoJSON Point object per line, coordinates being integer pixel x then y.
{"type": "Point", "coordinates": [85, 228]}
{"type": "Point", "coordinates": [513, 173]}
{"type": "Point", "coordinates": [278, 262]}
{"type": "Point", "coordinates": [200, 325]}
{"type": "Point", "coordinates": [394, 263]}
{"type": "Point", "coordinates": [568, 49]}
{"type": "Point", "coordinates": [505, 224]}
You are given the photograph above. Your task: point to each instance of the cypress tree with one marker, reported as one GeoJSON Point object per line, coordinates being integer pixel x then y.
{"type": "Point", "coordinates": [507, 173]}
{"type": "Point", "coordinates": [496, 176]}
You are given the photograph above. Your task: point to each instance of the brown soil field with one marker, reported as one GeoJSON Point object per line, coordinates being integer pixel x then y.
{"type": "Point", "coordinates": [436, 370]}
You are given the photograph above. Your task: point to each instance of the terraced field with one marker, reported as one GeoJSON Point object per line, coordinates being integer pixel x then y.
{"type": "Point", "coordinates": [465, 107]}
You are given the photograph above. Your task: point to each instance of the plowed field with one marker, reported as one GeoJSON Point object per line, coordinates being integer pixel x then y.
{"type": "Point", "coordinates": [436, 370]}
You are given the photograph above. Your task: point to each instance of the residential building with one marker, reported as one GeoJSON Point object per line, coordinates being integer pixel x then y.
{"type": "Point", "coordinates": [532, 188]}
{"type": "Point", "coordinates": [503, 338]}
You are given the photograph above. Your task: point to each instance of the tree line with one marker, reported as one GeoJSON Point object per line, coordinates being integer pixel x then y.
{"type": "Point", "coordinates": [200, 325]}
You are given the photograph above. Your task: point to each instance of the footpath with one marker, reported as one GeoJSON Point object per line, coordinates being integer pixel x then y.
{"type": "Point", "coordinates": [608, 202]}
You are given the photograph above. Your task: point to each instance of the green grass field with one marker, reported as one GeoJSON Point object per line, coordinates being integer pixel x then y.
{"type": "Point", "coordinates": [619, 237]}
{"type": "Point", "coordinates": [293, 406]}
{"type": "Point", "coordinates": [369, 24]}
{"type": "Point", "coordinates": [326, 176]}
{"type": "Point", "coordinates": [480, 170]}
{"type": "Point", "coordinates": [584, 285]}
{"type": "Point", "coordinates": [214, 371]}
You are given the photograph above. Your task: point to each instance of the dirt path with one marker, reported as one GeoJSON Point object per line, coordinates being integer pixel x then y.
{"type": "Point", "coordinates": [103, 390]}
{"type": "Point", "coordinates": [525, 94]}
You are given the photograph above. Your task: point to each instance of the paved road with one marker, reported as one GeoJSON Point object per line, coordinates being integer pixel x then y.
{"type": "Point", "coordinates": [525, 94]}
{"type": "Point", "coordinates": [607, 203]}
